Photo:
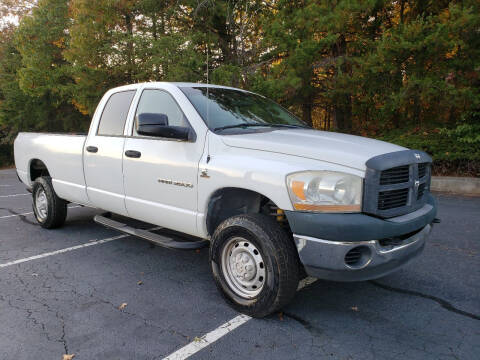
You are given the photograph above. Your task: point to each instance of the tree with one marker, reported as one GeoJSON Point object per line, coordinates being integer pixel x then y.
{"type": "Point", "coordinates": [423, 71]}
{"type": "Point", "coordinates": [381, 68]}
{"type": "Point", "coordinates": [232, 32]}
{"type": "Point", "coordinates": [18, 111]}
{"type": "Point", "coordinates": [44, 74]}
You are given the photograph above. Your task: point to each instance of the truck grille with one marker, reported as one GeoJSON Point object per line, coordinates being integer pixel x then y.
{"type": "Point", "coordinates": [396, 183]}
{"type": "Point", "coordinates": [395, 175]}
{"type": "Point", "coordinates": [422, 170]}
{"type": "Point", "coordinates": [392, 198]}
{"type": "Point", "coordinates": [421, 191]}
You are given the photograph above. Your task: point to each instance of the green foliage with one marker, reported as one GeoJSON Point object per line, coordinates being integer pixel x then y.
{"type": "Point", "coordinates": [451, 150]}
{"type": "Point", "coordinates": [422, 72]}
{"type": "Point", "coordinates": [465, 133]}
{"type": "Point", "coordinates": [436, 143]}
{"type": "Point", "coordinates": [6, 155]}
{"type": "Point", "coordinates": [406, 71]}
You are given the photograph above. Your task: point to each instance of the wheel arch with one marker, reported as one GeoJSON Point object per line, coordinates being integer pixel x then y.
{"type": "Point", "coordinates": [37, 168]}
{"type": "Point", "coordinates": [230, 201]}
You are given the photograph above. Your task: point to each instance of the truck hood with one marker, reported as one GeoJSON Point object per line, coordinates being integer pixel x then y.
{"type": "Point", "coordinates": [347, 150]}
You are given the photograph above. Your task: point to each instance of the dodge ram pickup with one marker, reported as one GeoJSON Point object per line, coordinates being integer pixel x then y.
{"type": "Point", "coordinates": [211, 165]}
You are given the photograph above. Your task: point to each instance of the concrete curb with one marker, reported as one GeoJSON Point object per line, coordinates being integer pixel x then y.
{"type": "Point", "coordinates": [456, 185]}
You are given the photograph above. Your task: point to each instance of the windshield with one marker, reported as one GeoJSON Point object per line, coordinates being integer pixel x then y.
{"type": "Point", "coordinates": [229, 108]}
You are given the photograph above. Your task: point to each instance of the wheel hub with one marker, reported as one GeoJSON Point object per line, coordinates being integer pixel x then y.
{"type": "Point", "coordinates": [243, 267]}
{"type": "Point", "coordinates": [41, 204]}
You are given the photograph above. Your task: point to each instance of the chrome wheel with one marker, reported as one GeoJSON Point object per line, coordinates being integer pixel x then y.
{"type": "Point", "coordinates": [41, 204]}
{"type": "Point", "coordinates": [243, 267]}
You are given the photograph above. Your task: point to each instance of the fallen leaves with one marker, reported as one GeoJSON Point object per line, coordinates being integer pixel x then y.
{"type": "Point", "coordinates": [280, 316]}
{"type": "Point", "coordinates": [68, 356]}
{"type": "Point", "coordinates": [354, 308]}
{"type": "Point", "coordinates": [139, 282]}
{"type": "Point", "coordinates": [123, 306]}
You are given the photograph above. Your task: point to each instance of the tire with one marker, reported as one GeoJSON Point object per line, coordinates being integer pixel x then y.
{"type": "Point", "coordinates": [272, 254]}
{"type": "Point", "coordinates": [49, 210]}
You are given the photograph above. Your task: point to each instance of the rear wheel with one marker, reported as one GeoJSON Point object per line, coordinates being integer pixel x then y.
{"type": "Point", "coordinates": [49, 210]}
{"type": "Point", "coordinates": [255, 264]}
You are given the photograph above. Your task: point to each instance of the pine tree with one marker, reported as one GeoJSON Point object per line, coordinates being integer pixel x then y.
{"type": "Point", "coordinates": [40, 39]}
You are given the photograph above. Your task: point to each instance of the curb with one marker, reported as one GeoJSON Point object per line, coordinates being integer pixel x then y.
{"type": "Point", "coordinates": [456, 185]}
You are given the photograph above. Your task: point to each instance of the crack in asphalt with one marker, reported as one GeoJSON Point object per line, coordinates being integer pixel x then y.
{"type": "Point", "coordinates": [306, 324]}
{"type": "Point", "coordinates": [62, 339]}
{"type": "Point", "coordinates": [443, 303]}
{"type": "Point", "coordinates": [20, 216]}
{"type": "Point", "coordinates": [146, 321]}
{"type": "Point", "coordinates": [30, 312]}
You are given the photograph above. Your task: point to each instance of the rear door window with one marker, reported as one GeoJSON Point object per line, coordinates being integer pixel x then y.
{"type": "Point", "coordinates": [115, 113]}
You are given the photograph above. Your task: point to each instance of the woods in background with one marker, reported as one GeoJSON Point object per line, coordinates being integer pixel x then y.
{"type": "Point", "coordinates": [405, 71]}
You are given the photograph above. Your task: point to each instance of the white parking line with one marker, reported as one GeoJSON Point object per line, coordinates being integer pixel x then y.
{"type": "Point", "coordinates": [9, 216]}
{"type": "Point", "coordinates": [2, 196]}
{"type": "Point", "coordinates": [211, 337]}
{"type": "Point", "coordinates": [2, 185]}
{"type": "Point", "coordinates": [208, 339]}
{"type": "Point", "coordinates": [31, 212]}
{"type": "Point", "coordinates": [61, 251]}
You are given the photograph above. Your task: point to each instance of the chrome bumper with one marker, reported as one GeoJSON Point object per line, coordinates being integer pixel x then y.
{"type": "Point", "coordinates": [326, 259]}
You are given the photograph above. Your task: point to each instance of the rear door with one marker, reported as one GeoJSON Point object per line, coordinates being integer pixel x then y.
{"type": "Point", "coordinates": [104, 152]}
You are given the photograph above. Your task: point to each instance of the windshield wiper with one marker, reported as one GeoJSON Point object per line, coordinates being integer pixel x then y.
{"type": "Point", "coordinates": [288, 126]}
{"type": "Point", "coordinates": [238, 126]}
{"type": "Point", "coordinates": [244, 125]}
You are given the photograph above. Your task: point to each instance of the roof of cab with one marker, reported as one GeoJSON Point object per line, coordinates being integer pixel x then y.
{"type": "Point", "coordinates": [177, 84]}
{"type": "Point", "coordinates": [191, 84]}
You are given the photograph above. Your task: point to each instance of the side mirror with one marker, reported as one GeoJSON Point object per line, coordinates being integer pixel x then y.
{"type": "Point", "coordinates": [152, 124]}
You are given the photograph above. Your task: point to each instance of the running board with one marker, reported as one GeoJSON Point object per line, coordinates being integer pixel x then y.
{"type": "Point", "coordinates": [161, 240]}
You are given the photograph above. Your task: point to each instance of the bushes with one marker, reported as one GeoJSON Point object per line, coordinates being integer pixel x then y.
{"type": "Point", "coordinates": [6, 155]}
{"type": "Point", "coordinates": [455, 151]}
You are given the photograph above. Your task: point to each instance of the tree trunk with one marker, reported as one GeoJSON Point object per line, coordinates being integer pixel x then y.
{"type": "Point", "coordinates": [343, 106]}
{"type": "Point", "coordinates": [307, 113]}
{"type": "Point", "coordinates": [156, 68]}
{"type": "Point", "coordinates": [327, 121]}
{"type": "Point", "coordinates": [343, 113]}
{"type": "Point", "coordinates": [129, 25]}
{"type": "Point", "coordinates": [402, 10]}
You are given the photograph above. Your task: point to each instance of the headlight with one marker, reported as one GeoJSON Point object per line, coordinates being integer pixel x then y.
{"type": "Point", "coordinates": [325, 191]}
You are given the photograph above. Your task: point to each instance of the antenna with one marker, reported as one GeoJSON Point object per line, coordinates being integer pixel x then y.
{"type": "Point", "coordinates": [207, 59]}
{"type": "Point", "coordinates": [208, 102]}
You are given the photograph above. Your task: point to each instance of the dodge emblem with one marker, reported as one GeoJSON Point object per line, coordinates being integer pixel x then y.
{"type": "Point", "coordinates": [417, 156]}
{"type": "Point", "coordinates": [417, 184]}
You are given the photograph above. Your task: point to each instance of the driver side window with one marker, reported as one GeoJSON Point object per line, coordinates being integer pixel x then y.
{"type": "Point", "coordinates": [159, 102]}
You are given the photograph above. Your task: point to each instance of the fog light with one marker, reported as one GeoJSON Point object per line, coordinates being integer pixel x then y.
{"type": "Point", "coordinates": [358, 257]}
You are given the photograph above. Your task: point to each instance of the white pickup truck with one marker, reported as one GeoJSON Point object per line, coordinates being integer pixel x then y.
{"type": "Point", "coordinates": [275, 198]}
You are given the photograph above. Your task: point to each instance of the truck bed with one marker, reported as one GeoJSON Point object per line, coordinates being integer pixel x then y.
{"type": "Point", "coordinates": [62, 154]}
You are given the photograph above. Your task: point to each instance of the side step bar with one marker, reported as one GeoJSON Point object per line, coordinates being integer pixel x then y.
{"type": "Point", "coordinates": [161, 240]}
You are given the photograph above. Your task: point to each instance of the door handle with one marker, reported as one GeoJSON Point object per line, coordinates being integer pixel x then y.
{"type": "Point", "coordinates": [133, 153]}
{"type": "Point", "coordinates": [92, 149]}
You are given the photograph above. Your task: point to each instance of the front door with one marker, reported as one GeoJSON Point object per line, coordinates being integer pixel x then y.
{"type": "Point", "coordinates": [160, 174]}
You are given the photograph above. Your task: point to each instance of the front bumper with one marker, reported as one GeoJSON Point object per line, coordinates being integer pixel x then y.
{"type": "Point", "coordinates": [326, 259]}
{"type": "Point", "coordinates": [327, 243]}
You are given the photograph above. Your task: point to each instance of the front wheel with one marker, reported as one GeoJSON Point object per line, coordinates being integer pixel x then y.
{"type": "Point", "coordinates": [255, 264]}
{"type": "Point", "coordinates": [50, 211]}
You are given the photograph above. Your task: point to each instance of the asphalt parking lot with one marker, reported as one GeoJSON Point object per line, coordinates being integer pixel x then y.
{"type": "Point", "coordinates": [70, 301]}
